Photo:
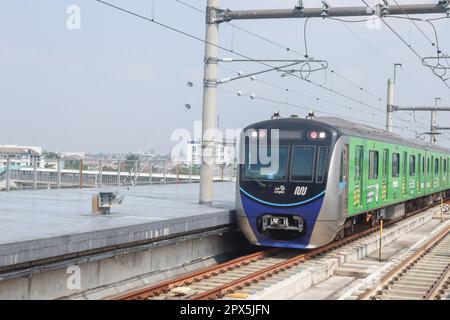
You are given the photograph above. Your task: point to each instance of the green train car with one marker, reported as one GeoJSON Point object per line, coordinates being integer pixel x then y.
{"type": "Point", "coordinates": [386, 173]}
{"type": "Point", "coordinates": [333, 177]}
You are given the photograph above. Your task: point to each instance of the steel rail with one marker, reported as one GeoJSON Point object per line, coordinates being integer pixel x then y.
{"type": "Point", "coordinates": [254, 277]}
{"type": "Point", "coordinates": [440, 286]}
{"type": "Point", "coordinates": [408, 264]}
{"type": "Point", "coordinates": [194, 276]}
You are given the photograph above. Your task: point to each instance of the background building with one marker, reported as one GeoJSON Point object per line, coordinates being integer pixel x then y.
{"type": "Point", "coordinates": [19, 156]}
{"type": "Point", "coordinates": [226, 153]}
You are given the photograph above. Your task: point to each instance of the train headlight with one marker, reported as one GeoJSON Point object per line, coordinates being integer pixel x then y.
{"type": "Point", "coordinates": [322, 135]}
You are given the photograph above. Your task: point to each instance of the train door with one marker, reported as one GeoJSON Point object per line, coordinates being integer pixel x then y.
{"type": "Point", "coordinates": [412, 174]}
{"type": "Point", "coordinates": [429, 178]}
{"type": "Point", "coordinates": [404, 173]}
{"type": "Point", "coordinates": [373, 184]}
{"type": "Point", "coordinates": [447, 173]}
{"type": "Point", "coordinates": [437, 174]}
{"type": "Point", "coordinates": [345, 164]}
{"type": "Point", "coordinates": [444, 172]}
{"type": "Point", "coordinates": [419, 173]}
{"type": "Point", "coordinates": [395, 175]}
{"type": "Point", "coordinates": [358, 178]}
{"type": "Point", "coordinates": [385, 178]}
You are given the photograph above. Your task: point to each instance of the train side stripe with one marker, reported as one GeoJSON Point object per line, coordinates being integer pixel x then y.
{"type": "Point", "coordinates": [279, 204]}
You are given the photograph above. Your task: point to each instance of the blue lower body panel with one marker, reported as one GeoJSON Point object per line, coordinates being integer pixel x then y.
{"type": "Point", "coordinates": [308, 212]}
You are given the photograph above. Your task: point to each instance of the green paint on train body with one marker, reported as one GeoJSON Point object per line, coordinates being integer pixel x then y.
{"type": "Point", "coordinates": [383, 174]}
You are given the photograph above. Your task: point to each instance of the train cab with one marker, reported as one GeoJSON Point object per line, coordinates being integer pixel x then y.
{"type": "Point", "coordinates": [283, 175]}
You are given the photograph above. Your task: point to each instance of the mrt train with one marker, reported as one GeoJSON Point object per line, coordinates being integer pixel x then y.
{"type": "Point", "coordinates": [332, 177]}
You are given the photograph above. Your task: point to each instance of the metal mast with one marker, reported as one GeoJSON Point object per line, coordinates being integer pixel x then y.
{"type": "Point", "coordinates": [215, 16]}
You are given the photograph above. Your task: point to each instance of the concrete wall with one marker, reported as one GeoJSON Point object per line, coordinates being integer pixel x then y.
{"type": "Point", "coordinates": [114, 275]}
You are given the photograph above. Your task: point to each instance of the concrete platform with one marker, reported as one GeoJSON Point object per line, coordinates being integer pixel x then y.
{"type": "Point", "coordinates": [36, 225]}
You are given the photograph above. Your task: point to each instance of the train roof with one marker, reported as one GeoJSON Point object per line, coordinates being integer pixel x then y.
{"type": "Point", "coordinates": [365, 131]}
{"type": "Point", "coordinates": [345, 127]}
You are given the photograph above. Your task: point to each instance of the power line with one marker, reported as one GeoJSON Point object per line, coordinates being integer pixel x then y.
{"type": "Point", "coordinates": [415, 123]}
{"type": "Point", "coordinates": [288, 90]}
{"type": "Point", "coordinates": [153, 20]}
{"type": "Point", "coordinates": [288, 49]}
{"type": "Point", "coordinates": [406, 43]}
{"type": "Point", "coordinates": [278, 102]}
{"type": "Point", "coordinates": [382, 56]}
{"type": "Point", "coordinates": [415, 24]}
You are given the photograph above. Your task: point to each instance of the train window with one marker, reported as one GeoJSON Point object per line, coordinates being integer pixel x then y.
{"type": "Point", "coordinates": [385, 163]}
{"type": "Point", "coordinates": [358, 162]}
{"type": "Point", "coordinates": [412, 166]}
{"type": "Point", "coordinates": [254, 169]}
{"type": "Point", "coordinates": [321, 164]}
{"type": "Point", "coordinates": [428, 166]}
{"type": "Point", "coordinates": [303, 164]}
{"type": "Point", "coordinates": [436, 166]}
{"type": "Point", "coordinates": [395, 165]}
{"type": "Point", "coordinates": [373, 165]}
{"type": "Point", "coordinates": [444, 166]}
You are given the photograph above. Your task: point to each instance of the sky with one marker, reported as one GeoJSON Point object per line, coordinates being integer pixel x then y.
{"type": "Point", "coordinates": [119, 84]}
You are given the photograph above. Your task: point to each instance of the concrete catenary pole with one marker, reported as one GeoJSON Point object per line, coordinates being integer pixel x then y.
{"type": "Point", "coordinates": [433, 127]}
{"type": "Point", "coordinates": [390, 104]}
{"type": "Point", "coordinates": [209, 102]}
{"type": "Point", "coordinates": [434, 121]}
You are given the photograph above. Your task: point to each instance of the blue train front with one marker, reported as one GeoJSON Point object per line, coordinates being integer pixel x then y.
{"type": "Point", "coordinates": [288, 189]}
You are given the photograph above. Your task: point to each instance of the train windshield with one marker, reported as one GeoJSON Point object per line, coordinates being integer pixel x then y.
{"type": "Point", "coordinates": [274, 170]}
{"type": "Point", "coordinates": [303, 164]}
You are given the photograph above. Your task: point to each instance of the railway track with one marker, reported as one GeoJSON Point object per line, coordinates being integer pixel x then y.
{"type": "Point", "coordinates": [237, 278]}
{"type": "Point", "coordinates": [425, 275]}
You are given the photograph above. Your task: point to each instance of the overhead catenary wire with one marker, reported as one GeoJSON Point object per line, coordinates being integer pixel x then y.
{"type": "Point", "coordinates": [347, 108]}
{"type": "Point", "coordinates": [181, 32]}
{"type": "Point", "coordinates": [153, 20]}
{"type": "Point", "coordinates": [418, 28]}
{"type": "Point", "coordinates": [286, 48]}
{"type": "Point", "coordinates": [410, 47]}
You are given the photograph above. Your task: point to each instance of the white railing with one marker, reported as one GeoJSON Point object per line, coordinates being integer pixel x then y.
{"type": "Point", "coordinates": [91, 173]}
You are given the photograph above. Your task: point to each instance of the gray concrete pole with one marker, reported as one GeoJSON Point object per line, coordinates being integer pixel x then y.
{"type": "Point", "coordinates": [34, 173]}
{"type": "Point", "coordinates": [433, 127]}
{"type": "Point", "coordinates": [164, 171]}
{"type": "Point", "coordinates": [136, 177]}
{"type": "Point", "coordinates": [150, 173]}
{"type": "Point", "coordinates": [58, 173]}
{"type": "Point", "coordinates": [190, 173]}
{"type": "Point", "coordinates": [100, 174]}
{"type": "Point", "coordinates": [81, 173]}
{"type": "Point", "coordinates": [8, 173]}
{"type": "Point", "coordinates": [390, 103]}
{"type": "Point", "coordinates": [118, 174]}
{"type": "Point", "coordinates": [209, 103]}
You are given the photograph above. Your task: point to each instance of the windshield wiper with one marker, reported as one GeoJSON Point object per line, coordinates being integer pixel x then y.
{"type": "Point", "coordinates": [260, 183]}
